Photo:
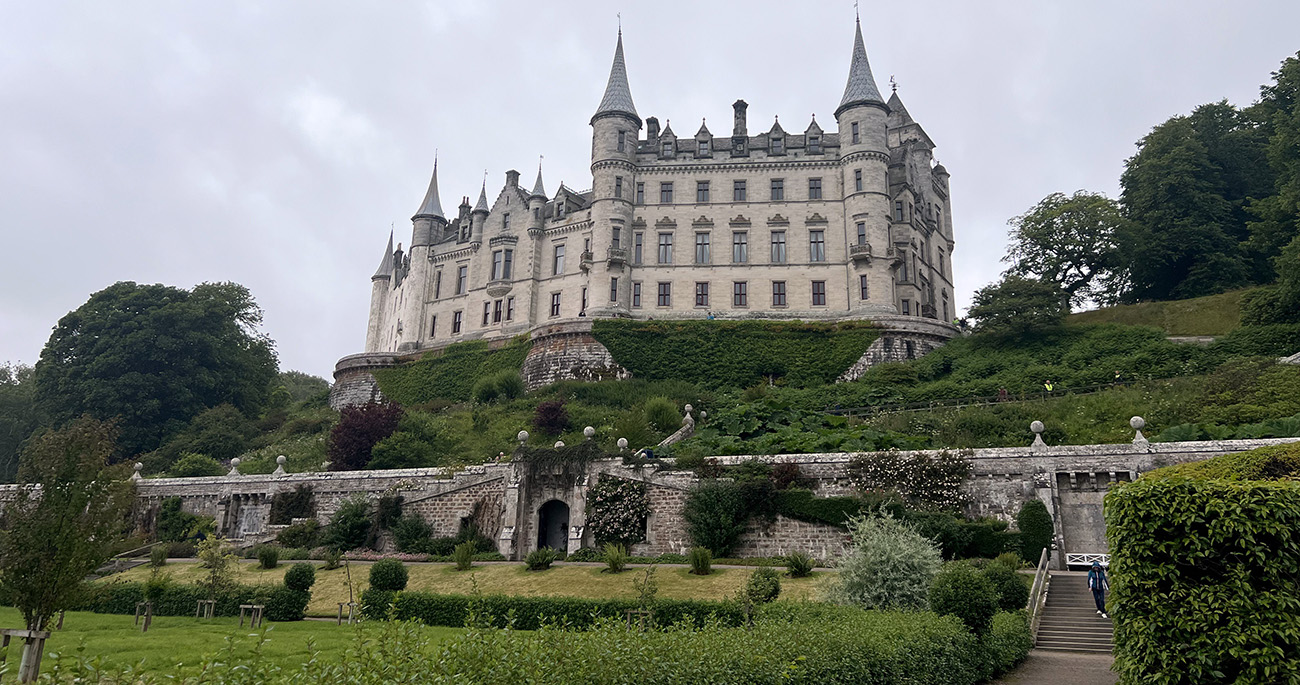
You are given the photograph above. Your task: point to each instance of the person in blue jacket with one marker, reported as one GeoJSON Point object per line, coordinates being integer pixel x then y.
{"type": "Point", "coordinates": [1098, 584]}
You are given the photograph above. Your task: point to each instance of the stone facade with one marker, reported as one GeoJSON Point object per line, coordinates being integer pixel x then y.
{"type": "Point", "coordinates": [568, 352]}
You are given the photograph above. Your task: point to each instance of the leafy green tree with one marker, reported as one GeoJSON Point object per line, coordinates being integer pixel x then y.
{"type": "Point", "coordinates": [1036, 530]}
{"type": "Point", "coordinates": [359, 429]}
{"type": "Point", "coordinates": [419, 441]}
{"type": "Point", "coordinates": [1016, 305]}
{"type": "Point", "coordinates": [1070, 241]}
{"type": "Point", "coordinates": [19, 415]}
{"type": "Point", "coordinates": [302, 386]}
{"type": "Point", "coordinates": [152, 357]}
{"type": "Point", "coordinates": [60, 523]}
{"type": "Point", "coordinates": [1277, 216]}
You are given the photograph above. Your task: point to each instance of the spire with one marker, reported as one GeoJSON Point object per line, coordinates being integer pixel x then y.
{"type": "Point", "coordinates": [432, 206]}
{"type": "Point", "coordinates": [618, 96]}
{"type": "Point", "coordinates": [386, 264]}
{"type": "Point", "coordinates": [897, 112]}
{"type": "Point", "coordinates": [861, 88]}
{"type": "Point", "coordinates": [481, 206]}
{"type": "Point", "coordinates": [538, 189]}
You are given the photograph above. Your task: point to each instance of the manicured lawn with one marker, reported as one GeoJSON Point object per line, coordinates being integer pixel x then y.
{"type": "Point", "coordinates": [502, 578]}
{"type": "Point", "coordinates": [117, 642]}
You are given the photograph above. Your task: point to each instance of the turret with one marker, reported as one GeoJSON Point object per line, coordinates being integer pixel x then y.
{"type": "Point", "coordinates": [615, 129]}
{"type": "Point", "coordinates": [479, 215]}
{"type": "Point", "coordinates": [429, 223]}
{"type": "Point", "coordinates": [536, 202]}
{"type": "Point", "coordinates": [428, 219]}
{"type": "Point", "coordinates": [380, 285]}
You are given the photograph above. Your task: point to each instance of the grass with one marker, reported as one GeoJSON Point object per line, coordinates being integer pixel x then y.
{"type": "Point", "coordinates": [502, 578]}
{"type": "Point", "coordinates": [1210, 315]}
{"type": "Point", "coordinates": [184, 641]}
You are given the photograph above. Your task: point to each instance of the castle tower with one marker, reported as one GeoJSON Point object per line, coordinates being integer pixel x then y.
{"type": "Point", "coordinates": [380, 285]}
{"type": "Point", "coordinates": [864, 167]}
{"type": "Point", "coordinates": [615, 129]}
{"type": "Point", "coordinates": [428, 224]}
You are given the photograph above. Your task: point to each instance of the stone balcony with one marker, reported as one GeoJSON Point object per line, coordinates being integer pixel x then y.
{"type": "Point", "coordinates": [587, 258]}
{"type": "Point", "coordinates": [860, 253]}
{"type": "Point", "coordinates": [617, 255]}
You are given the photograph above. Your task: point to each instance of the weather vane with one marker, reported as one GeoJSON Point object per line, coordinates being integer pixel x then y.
{"type": "Point", "coordinates": [893, 85]}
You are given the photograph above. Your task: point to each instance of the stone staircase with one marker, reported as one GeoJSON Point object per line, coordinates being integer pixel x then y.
{"type": "Point", "coordinates": [1070, 622]}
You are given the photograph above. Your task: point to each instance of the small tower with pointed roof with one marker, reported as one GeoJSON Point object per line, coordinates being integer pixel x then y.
{"type": "Point", "coordinates": [380, 285]}
{"type": "Point", "coordinates": [615, 128]}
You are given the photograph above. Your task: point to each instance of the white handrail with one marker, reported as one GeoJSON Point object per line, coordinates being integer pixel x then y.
{"type": "Point", "coordinates": [1086, 559]}
{"type": "Point", "coordinates": [1038, 595]}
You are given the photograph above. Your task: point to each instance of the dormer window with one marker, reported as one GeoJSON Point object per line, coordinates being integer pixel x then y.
{"type": "Point", "coordinates": [559, 209]}
{"type": "Point", "coordinates": [778, 146]}
{"type": "Point", "coordinates": [668, 148]}
{"type": "Point", "coordinates": [702, 149]}
{"type": "Point", "coordinates": [814, 145]}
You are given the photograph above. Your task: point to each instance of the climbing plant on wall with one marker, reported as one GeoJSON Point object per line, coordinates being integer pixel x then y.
{"type": "Point", "coordinates": [617, 509]}
{"type": "Point", "coordinates": [920, 479]}
{"type": "Point", "coordinates": [451, 373]}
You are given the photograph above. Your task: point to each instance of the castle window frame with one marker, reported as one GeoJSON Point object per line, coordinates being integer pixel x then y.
{"type": "Point", "coordinates": [739, 247]}
{"type": "Point", "coordinates": [583, 310]}
{"type": "Point", "coordinates": [666, 193]}
{"type": "Point", "coordinates": [433, 325]}
{"type": "Point", "coordinates": [814, 189]}
{"type": "Point", "coordinates": [902, 269]}
{"type": "Point", "coordinates": [738, 191]}
{"type": "Point", "coordinates": [817, 246]}
{"type": "Point", "coordinates": [702, 192]}
{"type": "Point", "coordinates": [701, 293]}
{"type": "Point", "coordinates": [462, 279]}
{"type": "Point", "coordinates": [702, 148]}
{"type": "Point", "coordinates": [636, 294]}
{"type": "Point", "coordinates": [559, 209]}
{"type": "Point", "coordinates": [863, 291]}
{"type": "Point", "coordinates": [616, 238]}
{"type": "Point", "coordinates": [778, 247]}
{"type": "Point", "coordinates": [437, 284]}
{"type": "Point", "coordinates": [487, 311]}
{"type": "Point", "coordinates": [667, 149]}
{"type": "Point", "coordinates": [613, 289]}
{"type": "Point", "coordinates": [942, 272]}
{"type": "Point", "coordinates": [505, 221]}
{"type": "Point", "coordinates": [618, 187]}
{"type": "Point", "coordinates": [898, 210]}
{"type": "Point", "coordinates": [557, 260]}
{"type": "Point", "coordinates": [665, 248]}
{"type": "Point", "coordinates": [819, 293]}
{"type": "Point", "coordinates": [622, 141]}
{"type": "Point", "coordinates": [740, 294]}
{"type": "Point", "coordinates": [702, 250]}
{"type": "Point", "coordinates": [640, 193]}
{"type": "Point", "coordinates": [496, 264]}
{"type": "Point", "coordinates": [555, 305]}
{"type": "Point", "coordinates": [778, 189]}
{"type": "Point", "coordinates": [510, 309]}
{"type": "Point", "coordinates": [776, 145]}
{"type": "Point", "coordinates": [907, 307]}
{"type": "Point", "coordinates": [778, 293]}
{"type": "Point", "coordinates": [862, 232]}
{"type": "Point", "coordinates": [665, 295]}
{"type": "Point", "coordinates": [856, 137]}
{"type": "Point", "coordinates": [638, 246]}
{"type": "Point", "coordinates": [457, 320]}
{"type": "Point", "coordinates": [857, 180]}
{"type": "Point", "coordinates": [814, 145]}
{"type": "Point", "coordinates": [498, 311]}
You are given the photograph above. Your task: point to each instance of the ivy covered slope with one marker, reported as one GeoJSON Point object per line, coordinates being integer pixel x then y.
{"type": "Point", "coordinates": [449, 374]}
{"type": "Point", "coordinates": [1205, 568]}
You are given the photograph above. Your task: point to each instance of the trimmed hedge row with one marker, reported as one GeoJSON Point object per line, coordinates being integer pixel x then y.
{"type": "Point", "coordinates": [735, 354]}
{"type": "Point", "coordinates": [1206, 578]}
{"type": "Point", "coordinates": [450, 375]}
{"type": "Point", "coordinates": [531, 613]}
{"type": "Point", "coordinates": [1265, 463]}
{"type": "Point", "coordinates": [282, 603]}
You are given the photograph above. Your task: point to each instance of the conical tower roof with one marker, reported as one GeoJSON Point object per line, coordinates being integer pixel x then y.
{"type": "Point", "coordinates": [481, 205]}
{"type": "Point", "coordinates": [861, 88]}
{"type": "Point", "coordinates": [386, 264]}
{"type": "Point", "coordinates": [432, 206]}
{"type": "Point", "coordinates": [538, 189]}
{"type": "Point", "coordinates": [897, 111]}
{"type": "Point", "coordinates": [618, 96]}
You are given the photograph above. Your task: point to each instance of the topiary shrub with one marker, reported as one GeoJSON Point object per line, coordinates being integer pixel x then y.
{"type": "Point", "coordinates": [268, 556]}
{"type": "Point", "coordinates": [551, 418]}
{"type": "Point", "coordinates": [300, 577]}
{"type": "Point", "coordinates": [541, 558]}
{"type": "Point", "coordinates": [662, 414]}
{"type": "Point", "coordinates": [1036, 530]}
{"type": "Point", "coordinates": [286, 604]}
{"type": "Point", "coordinates": [960, 590]}
{"type": "Point", "coordinates": [305, 534]}
{"type": "Point", "coordinates": [701, 561]}
{"type": "Point", "coordinates": [888, 566]}
{"type": "Point", "coordinates": [764, 585]}
{"type": "Point", "coordinates": [388, 575]}
{"type": "Point", "coordinates": [349, 527]}
{"type": "Point", "coordinates": [1010, 587]}
{"type": "Point", "coordinates": [799, 565]}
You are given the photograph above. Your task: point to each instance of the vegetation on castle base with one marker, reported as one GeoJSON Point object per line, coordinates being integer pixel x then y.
{"type": "Point", "coordinates": [1204, 569]}
{"type": "Point", "coordinates": [1210, 315]}
{"type": "Point", "coordinates": [450, 374]}
{"type": "Point", "coordinates": [735, 354]}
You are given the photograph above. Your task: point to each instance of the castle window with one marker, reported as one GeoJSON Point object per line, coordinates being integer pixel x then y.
{"type": "Point", "coordinates": [462, 279]}
{"type": "Point", "coordinates": [666, 193]}
{"type": "Point", "coordinates": [778, 189]}
{"type": "Point", "coordinates": [668, 148]}
{"type": "Point", "coordinates": [613, 289]}
{"type": "Point", "coordinates": [665, 248]}
{"type": "Point", "coordinates": [819, 293]}
{"type": "Point", "coordinates": [456, 319]}
{"type": "Point", "coordinates": [618, 187]}
{"type": "Point", "coordinates": [907, 308]}
{"type": "Point", "coordinates": [437, 284]}
{"type": "Point", "coordinates": [640, 193]}
{"type": "Point", "coordinates": [433, 324]}
{"type": "Point", "coordinates": [497, 311]}
{"type": "Point", "coordinates": [636, 294]}
{"type": "Point", "coordinates": [738, 191]}
{"type": "Point", "coordinates": [701, 294]}
{"type": "Point", "coordinates": [857, 180]}
{"type": "Point", "coordinates": [701, 248]}
{"type": "Point", "coordinates": [898, 210]}
{"type": "Point", "coordinates": [583, 310]}
{"type": "Point", "coordinates": [702, 191]}
{"type": "Point", "coordinates": [941, 271]}
{"type": "Point", "coordinates": [638, 240]}
{"type": "Point", "coordinates": [559, 208]}
{"type": "Point", "coordinates": [505, 221]}
{"type": "Point", "coordinates": [814, 189]}
{"type": "Point", "coordinates": [814, 145]}
{"type": "Point", "coordinates": [740, 294]}
{"type": "Point", "coordinates": [778, 146]}
{"type": "Point", "coordinates": [702, 150]}
{"type": "Point", "coordinates": [617, 238]}
{"type": "Point", "coordinates": [911, 351]}
{"type": "Point", "coordinates": [501, 264]}
{"type": "Point", "coordinates": [496, 265]}
{"type": "Point", "coordinates": [586, 245]}
{"type": "Point", "coordinates": [622, 141]}
{"type": "Point", "coordinates": [487, 312]}
{"type": "Point", "coordinates": [555, 304]}
{"type": "Point", "coordinates": [816, 246]}
{"type": "Point", "coordinates": [945, 305]}
{"type": "Point", "coordinates": [739, 247]}
{"type": "Point", "coordinates": [510, 260]}
{"type": "Point", "coordinates": [778, 293]}
{"type": "Point", "coordinates": [665, 295]}
{"type": "Point", "coordinates": [778, 247]}
{"type": "Point", "coordinates": [854, 128]}
{"type": "Point", "coordinates": [510, 309]}
{"type": "Point", "coordinates": [902, 269]}
{"type": "Point", "coordinates": [537, 212]}
{"type": "Point", "coordinates": [557, 262]}
{"type": "Point", "coordinates": [862, 287]}
{"type": "Point", "coordinates": [862, 232]}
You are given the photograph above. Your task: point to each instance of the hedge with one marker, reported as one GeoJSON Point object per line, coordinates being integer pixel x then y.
{"type": "Point", "coordinates": [803, 505]}
{"type": "Point", "coordinates": [735, 354]}
{"type": "Point", "coordinates": [1206, 579]}
{"type": "Point", "coordinates": [451, 374]}
{"type": "Point", "coordinates": [1265, 463]}
{"type": "Point", "coordinates": [282, 603]}
{"type": "Point", "coordinates": [530, 613]}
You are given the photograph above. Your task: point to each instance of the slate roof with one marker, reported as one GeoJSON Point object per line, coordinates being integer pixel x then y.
{"type": "Point", "coordinates": [482, 205]}
{"type": "Point", "coordinates": [386, 264]}
{"type": "Point", "coordinates": [618, 96]}
{"type": "Point", "coordinates": [538, 189]}
{"type": "Point", "coordinates": [432, 206]}
{"type": "Point", "coordinates": [899, 112]}
{"type": "Point", "coordinates": [861, 88]}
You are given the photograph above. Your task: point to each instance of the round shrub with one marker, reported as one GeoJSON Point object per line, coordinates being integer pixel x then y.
{"type": "Point", "coordinates": [585, 554]}
{"type": "Point", "coordinates": [510, 385]}
{"type": "Point", "coordinates": [551, 418]}
{"type": "Point", "coordinates": [300, 577]}
{"type": "Point", "coordinates": [305, 534]}
{"type": "Point", "coordinates": [1012, 593]}
{"type": "Point", "coordinates": [268, 556]}
{"type": "Point", "coordinates": [764, 585]}
{"type": "Point", "coordinates": [960, 590]}
{"type": "Point", "coordinates": [286, 604]}
{"type": "Point", "coordinates": [192, 465]}
{"type": "Point", "coordinates": [389, 575]}
{"type": "Point", "coordinates": [889, 566]}
{"type": "Point", "coordinates": [485, 390]}
{"type": "Point", "coordinates": [663, 414]}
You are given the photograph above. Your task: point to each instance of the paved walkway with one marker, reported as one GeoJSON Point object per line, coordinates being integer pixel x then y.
{"type": "Point", "coordinates": [1062, 668]}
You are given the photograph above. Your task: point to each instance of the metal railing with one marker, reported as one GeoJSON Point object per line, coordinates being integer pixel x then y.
{"type": "Point", "coordinates": [976, 401]}
{"type": "Point", "coordinates": [1086, 559]}
{"type": "Point", "coordinates": [1038, 594]}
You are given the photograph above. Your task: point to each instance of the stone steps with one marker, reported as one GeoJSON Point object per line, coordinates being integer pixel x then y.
{"type": "Point", "coordinates": [1069, 621]}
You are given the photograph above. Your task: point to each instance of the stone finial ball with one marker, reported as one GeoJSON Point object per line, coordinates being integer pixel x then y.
{"type": "Point", "coordinates": [589, 432]}
{"type": "Point", "coordinates": [622, 443]}
{"type": "Point", "coordinates": [139, 466]}
{"type": "Point", "coordinates": [704, 415]}
{"type": "Point", "coordinates": [559, 444]}
{"type": "Point", "coordinates": [522, 437]}
{"type": "Point", "coordinates": [281, 460]}
{"type": "Point", "coordinates": [1137, 422]}
{"type": "Point", "coordinates": [1036, 426]}
{"type": "Point", "coordinates": [689, 409]}
{"type": "Point", "coordinates": [234, 462]}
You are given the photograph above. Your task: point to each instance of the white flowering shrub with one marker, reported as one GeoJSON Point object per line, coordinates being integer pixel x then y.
{"type": "Point", "coordinates": [617, 511]}
{"type": "Point", "coordinates": [890, 566]}
{"type": "Point", "coordinates": [920, 479]}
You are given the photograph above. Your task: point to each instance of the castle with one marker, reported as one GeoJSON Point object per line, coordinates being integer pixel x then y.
{"type": "Point", "coordinates": [817, 225]}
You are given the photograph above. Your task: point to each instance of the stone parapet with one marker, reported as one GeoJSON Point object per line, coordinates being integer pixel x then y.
{"type": "Point", "coordinates": [567, 351]}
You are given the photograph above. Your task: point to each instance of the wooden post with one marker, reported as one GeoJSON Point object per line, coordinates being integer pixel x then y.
{"type": "Point", "coordinates": [33, 649]}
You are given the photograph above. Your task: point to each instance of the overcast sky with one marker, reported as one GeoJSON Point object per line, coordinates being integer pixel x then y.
{"type": "Point", "coordinates": [274, 143]}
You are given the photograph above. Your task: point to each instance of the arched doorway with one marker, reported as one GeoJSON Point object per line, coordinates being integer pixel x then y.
{"type": "Point", "coordinates": [553, 526]}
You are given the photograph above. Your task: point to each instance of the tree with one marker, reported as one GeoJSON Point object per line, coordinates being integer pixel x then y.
{"type": "Point", "coordinates": [1036, 530]}
{"type": "Point", "coordinates": [19, 415]}
{"type": "Point", "coordinates": [1016, 305]}
{"type": "Point", "coordinates": [359, 429]}
{"type": "Point", "coordinates": [1278, 113]}
{"type": "Point", "coordinates": [889, 566]}
{"type": "Point", "coordinates": [152, 357]}
{"type": "Point", "coordinates": [62, 520]}
{"type": "Point", "coordinates": [303, 386]}
{"type": "Point", "coordinates": [1070, 241]}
